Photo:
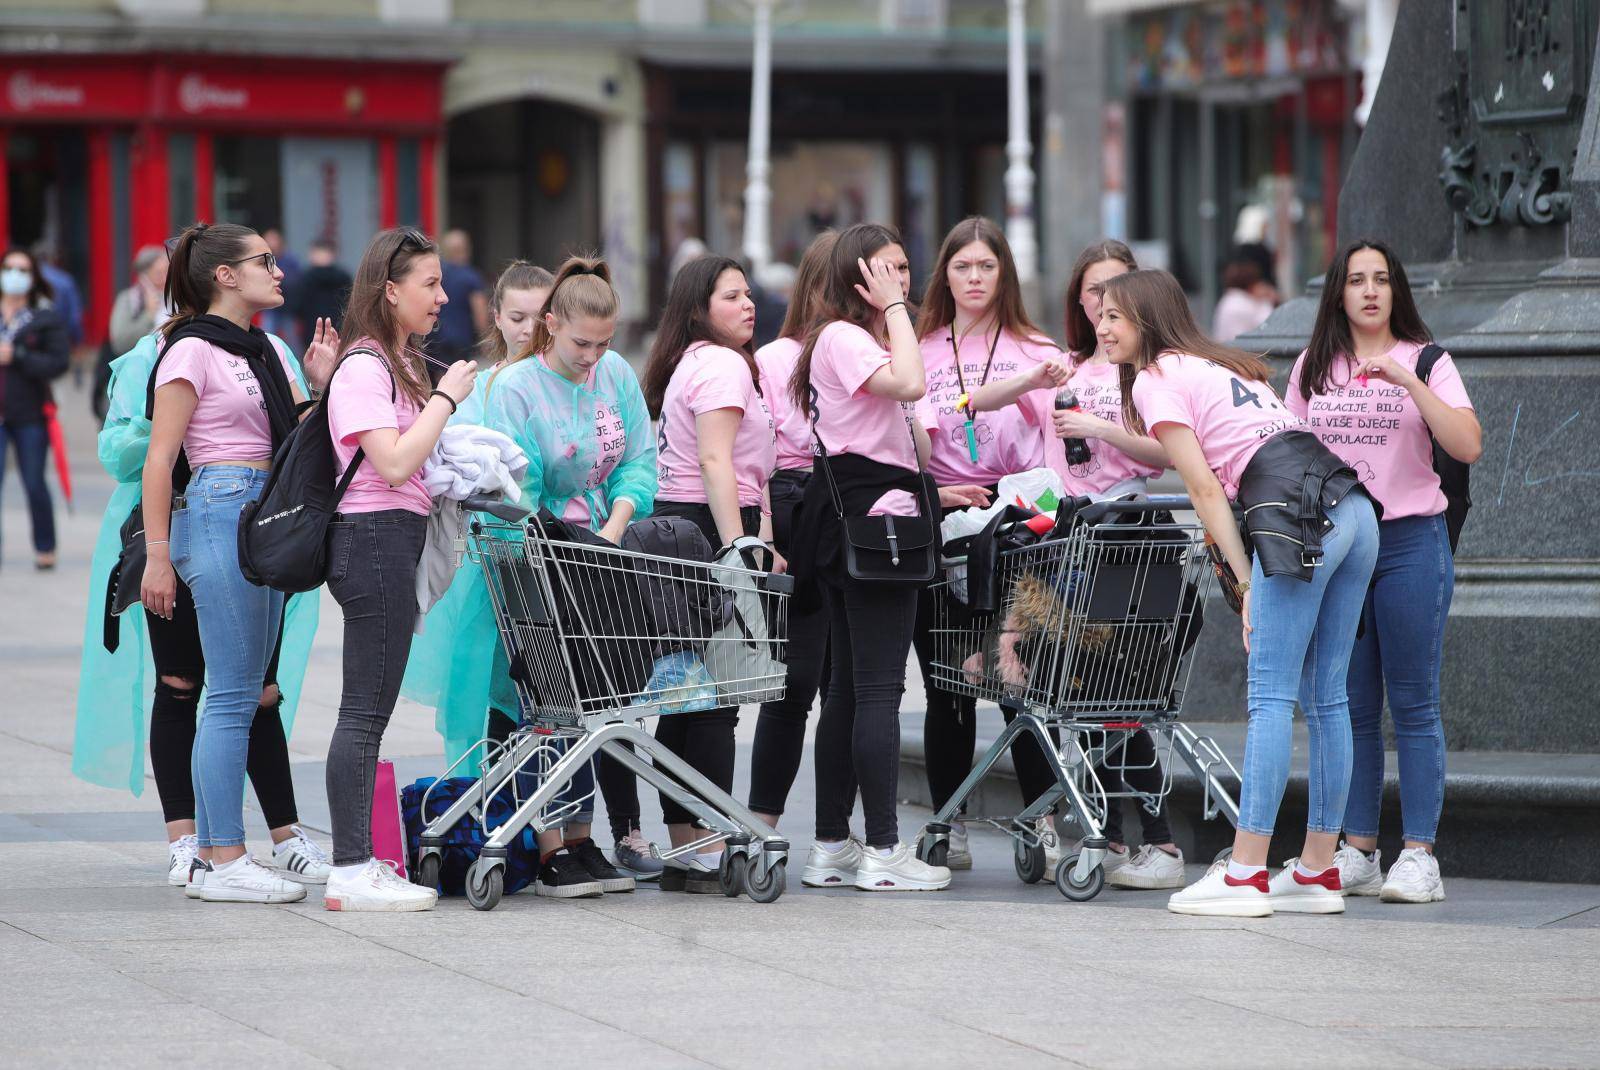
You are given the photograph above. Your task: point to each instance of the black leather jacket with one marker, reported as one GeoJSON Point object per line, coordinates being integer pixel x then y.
{"type": "Point", "coordinates": [1286, 492]}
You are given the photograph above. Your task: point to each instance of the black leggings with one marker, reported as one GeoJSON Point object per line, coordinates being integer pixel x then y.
{"type": "Point", "coordinates": [1143, 774]}
{"type": "Point", "coordinates": [781, 726]}
{"type": "Point", "coordinates": [175, 649]}
{"type": "Point", "coordinates": [858, 734]}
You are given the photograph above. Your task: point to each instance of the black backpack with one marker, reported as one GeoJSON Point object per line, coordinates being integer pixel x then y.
{"type": "Point", "coordinates": [283, 535]}
{"type": "Point", "coordinates": [1455, 478]}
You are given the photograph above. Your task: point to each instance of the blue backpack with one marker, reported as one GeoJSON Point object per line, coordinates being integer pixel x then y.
{"type": "Point", "coordinates": [465, 840]}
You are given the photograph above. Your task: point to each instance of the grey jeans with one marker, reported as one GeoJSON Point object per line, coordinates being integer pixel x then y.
{"type": "Point", "coordinates": [372, 572]}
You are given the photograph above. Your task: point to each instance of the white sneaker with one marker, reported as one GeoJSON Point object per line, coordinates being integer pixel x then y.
{"type": "Point", "coordinates": [1114, 859]}
{"type": "Point", "coordinates": [1045, 829]}
{"type": "Point", "coordinates": [302, 858]}
{"type": "Point", "coordinates": [1414, 878]}
{"type": "Point", "coordinates": [832, 869]}
{"type": "Point", "coordinates": [245, 880]}
{"type": "Point", "coordinates": [960, 853]}
{"type": "Point", "coordinates": [180, 853]}
{"type": "Point", "coordinates": [1221, 896]}
{"type": "Point", "coordinates": [375, 886]}
{"type": "Point", "coordinates": [1359, 874]}
{"type": "Point", "coordinates": [1150, 867]}
{"type": "Point", "coordinates": [1293, 894]}
{"type": "Point", "coordinates": [899, 871]}
{"type": "Point", "coordinates": [198, 868]}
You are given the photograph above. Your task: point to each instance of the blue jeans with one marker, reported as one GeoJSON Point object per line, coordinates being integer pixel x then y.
{"type": "Point", "coordinates": [238, 629]}
{"type": "Point", "coordinates": [1300, 648]}
{"type": "Point", "coordinates": [32, 444]}
{"type": "Point", "coordinates": [1402, 647]}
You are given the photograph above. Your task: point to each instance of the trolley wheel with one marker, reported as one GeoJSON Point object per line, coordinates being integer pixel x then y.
{"type": "Point", "coordinates": [765, 887]}
{"type": "Point", "coordinates": [731, 874]}
{"type": "Point", "coordinates": [1074, 889]}
{"type": "Point", "coordinates": [427, 872]}
{"type": "Point", "coordinates": [1030, 862]}
{"type": "Point", "coordinates": [935, 853]}
{"type": "Point", "coordinates": [485, 885]}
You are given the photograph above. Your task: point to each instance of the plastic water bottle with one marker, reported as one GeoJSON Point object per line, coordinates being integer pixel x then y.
{"type": "Point", "coordinates": [1077, 448]}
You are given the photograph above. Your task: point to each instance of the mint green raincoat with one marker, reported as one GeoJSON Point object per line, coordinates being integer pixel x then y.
{"type": "Point", "coordinates": [115, 690]}
{"type": "Point", "coordinates": [456, 665]}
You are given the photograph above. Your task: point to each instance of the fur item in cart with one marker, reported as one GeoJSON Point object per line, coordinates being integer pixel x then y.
{"type": "Point", "coordinates": [1036, 609]}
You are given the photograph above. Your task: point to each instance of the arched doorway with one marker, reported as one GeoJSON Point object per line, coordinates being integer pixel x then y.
{"type": "Point", "coordinates": [524, 181]}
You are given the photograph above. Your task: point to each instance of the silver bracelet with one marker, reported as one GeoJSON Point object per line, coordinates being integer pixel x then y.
{"type": "Point", "coordinates": [156, 542]}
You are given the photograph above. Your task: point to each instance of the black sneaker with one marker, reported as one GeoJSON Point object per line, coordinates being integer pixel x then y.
{"type": "Point", "coordinates": [563, 877]}
{"type": "Point", "coordinates": [590, 857]}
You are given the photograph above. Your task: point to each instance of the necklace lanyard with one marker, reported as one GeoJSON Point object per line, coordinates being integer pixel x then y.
{"type": "Point", "coordinates": [964, 404]}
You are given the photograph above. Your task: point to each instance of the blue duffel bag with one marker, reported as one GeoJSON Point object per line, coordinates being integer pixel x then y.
{"type": "Point", "coordinates": [464, 841]}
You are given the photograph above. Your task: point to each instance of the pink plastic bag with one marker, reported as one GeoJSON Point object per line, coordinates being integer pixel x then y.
{"type": "Point", "coordinates": [388, 833]}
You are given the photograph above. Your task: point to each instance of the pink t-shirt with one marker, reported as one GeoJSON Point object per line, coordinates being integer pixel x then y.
{"type": "Point", "coordinates": [1009, 440]}
{"type": "Point", "coordinates": [230, 419]}
{"type": "Point", "coordinates": [1099, 392]}
{"type": "Point", "coordinates": [711, 377]}
{"type": "Point", "coordinates": [359, 401]}
{"type": "Point", "coordinates": [1378, 430]}
{"type": "Point", "coordinates": [611, 432]}
{"type": "Point", "coordinates": [776, 361]}
{"type": "Point", "coordinates": [1230, 416]}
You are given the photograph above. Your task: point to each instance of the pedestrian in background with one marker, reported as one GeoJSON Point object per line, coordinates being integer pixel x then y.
{"type": "Point", "coordinates": [466, 318]}
{"type": "Point", "coordinates": [1246, 303]}
{"type": "Point", "coordinates": [140, 308]}
{"type": "Point", "coordinates": [324, 287]}
{"type": "Point", "coordinates": [1362, 366]}
{"type": "Point", "coordinates": [68, 299]}
{"type": "Point", "coordinates": [281, 320]}
{"type": "Point", "coordinates": [33, 351]}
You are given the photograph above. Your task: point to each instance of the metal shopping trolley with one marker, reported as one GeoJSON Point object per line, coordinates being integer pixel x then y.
{"type": "Point", "coordinates": [598, 639]}
{"type": "Point", "coordinates": [1083, 640]}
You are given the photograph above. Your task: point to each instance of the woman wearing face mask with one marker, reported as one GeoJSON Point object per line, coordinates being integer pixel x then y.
{"type": "Point", "coordinates": [1231, 439]}
{"type": "Point", "coordinates": [380, 402]}
{"type": "Point", "coordinates": [224, 400]}
{"type": "Point", "coordinates": [1360, 373]}
{"type": "Point", "coordinates": [716, 451]}
{"type": "Point", "coordinates": [574, 406]}
{"type": "Point", "coordinates": [858, 391]}
{"type": "Point", "coordinates": [1119, 463]}
{"type": "Point", "coordinates": [33, 351]}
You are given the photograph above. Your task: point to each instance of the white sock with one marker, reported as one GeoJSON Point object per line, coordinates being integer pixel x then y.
{"type": "Point", "coordinates": [709, 859]}
{"type": "Point", "coordinates": [1300, 868]}
{"type": "Point", "coordinates": [833, 847]}
{"type": "Point", "coordinates": [349, 872]}
{"type": "Point", "coordinates": [884, 852]}
{"type": "Point", "coordinates": [1241, 872]}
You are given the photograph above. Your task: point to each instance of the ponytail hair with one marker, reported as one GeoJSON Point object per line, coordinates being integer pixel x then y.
{"type": "Point", "coordinates": [196, 255]}
{"type": "Point", "coordinates": [581, 288]}
{"type": "Point", "coordinates": [685, 321]}
{"type": "Point", "coordinates": [518, 275]}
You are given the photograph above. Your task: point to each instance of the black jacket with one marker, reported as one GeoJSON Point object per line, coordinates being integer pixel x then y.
{"type": "Point", "coordinates": [1286, 491]}
{"type": "Point", "coordinates": [320, 292]}
{"type": "Point", "coordinates": [40, 353]}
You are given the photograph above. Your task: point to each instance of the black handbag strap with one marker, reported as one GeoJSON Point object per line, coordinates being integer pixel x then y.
{"type": "Point", "coordinates": [827, 462]}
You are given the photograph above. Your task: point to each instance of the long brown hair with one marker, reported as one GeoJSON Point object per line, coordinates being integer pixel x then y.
{"type": "Point", "coordinates": [390, 257]}
{"type": "Point", "coordinates": [684, 322]}
{"type": "Point", "coordinates": [196, 255]}
{"type": "Point", "coordinates": [837, 297]}
{"type": "Point", "coordinates": [807, 291]}
{"type": "Point", "coordinates": [518, 275]}
{"type": "Point", "coordinates": [939, 304]}
{"type": "Point", "coordinates": [1331, 336]}
{"type": "Point", "coordinates": [41, 290]}
{"type": "Point", "coordinates": [1156, 305]}
{"type": "Point", "coordinates": [1080, 332]}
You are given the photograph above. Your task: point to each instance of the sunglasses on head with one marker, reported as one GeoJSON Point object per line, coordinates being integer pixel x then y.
{"type": "Point", "coordinates": [409, 237]}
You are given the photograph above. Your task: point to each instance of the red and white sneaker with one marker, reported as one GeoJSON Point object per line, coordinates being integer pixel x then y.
{"type": "Point", "coordinates": [1293, 893]}
{"type": "Point", "coordinates": [1218, 895]}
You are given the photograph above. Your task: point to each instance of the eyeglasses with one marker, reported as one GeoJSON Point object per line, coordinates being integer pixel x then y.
{"type": "Point", "coordinates": [409, 236]}
{"type": "Point", "coordinates": [267, 259]}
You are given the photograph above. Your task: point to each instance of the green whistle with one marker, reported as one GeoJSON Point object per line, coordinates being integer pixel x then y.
{"type": "Point", "coordinates": [972, 442]}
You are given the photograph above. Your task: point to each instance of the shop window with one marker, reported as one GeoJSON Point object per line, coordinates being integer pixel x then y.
{"type": "Point", "coordinates": [249, 181]}
{"type": "Point", "coordinates": [408, 185]}
{"type": "Point", "coordinates": [180, 180]}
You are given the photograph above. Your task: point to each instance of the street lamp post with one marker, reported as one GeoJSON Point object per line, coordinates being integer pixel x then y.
{"type": "Point", "coordinates": [757, 190]}
{"type": "Point", "coordinates": [1019, 149]}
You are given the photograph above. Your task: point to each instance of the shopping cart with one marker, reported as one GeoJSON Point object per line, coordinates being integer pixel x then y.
{"type": "Point", "coordinates": [1083, 640]}
{"type": "Point", "coordinates": [598, 639]}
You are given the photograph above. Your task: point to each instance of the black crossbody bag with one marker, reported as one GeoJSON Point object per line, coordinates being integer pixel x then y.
{"type": "Point", "coordinates": [895, 551]}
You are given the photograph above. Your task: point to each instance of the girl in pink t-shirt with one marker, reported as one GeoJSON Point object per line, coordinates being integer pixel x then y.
{"type": "Point", "coordinates": [858, 390]}
{"type": "Point", "coordinates": [1212, 409]}
{"type": "Point", "coordinates": [1120, 463]}
{"type": "Point", "coordinates": [1358, 389]}
{"type": "Point", "coordinates": [381, 402]}
{"type": "Point", "coordinates": [715, 453]}
{"type": "Point", "coordinates": [224, 400]}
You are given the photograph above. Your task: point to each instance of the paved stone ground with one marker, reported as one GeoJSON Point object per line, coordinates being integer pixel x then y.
{"type": "Point", "coordinates": [106, 965]}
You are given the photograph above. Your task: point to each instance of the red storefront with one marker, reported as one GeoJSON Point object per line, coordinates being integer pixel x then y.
{"type": "Point", "coordinates": [107, 153]}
